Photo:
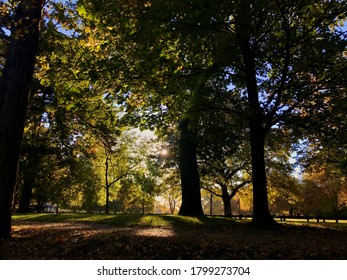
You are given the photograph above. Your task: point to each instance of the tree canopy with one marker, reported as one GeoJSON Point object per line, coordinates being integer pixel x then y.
{"type": "Point", "coordinates": [230, 88]}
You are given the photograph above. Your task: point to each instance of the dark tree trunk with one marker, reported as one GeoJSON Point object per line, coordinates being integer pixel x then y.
{"type": "Point", "coordinates": [24, 204]}
{"type": "Point", "coordinates": [227, 206]}
{"type": "Point", "coordinates": [190, 181]}
{"type": "Point", "coordinates": [14, 97]}
{"type": "Point", "coordinates": [107, 206]}
{"type": "Point", "coordinates": [261, 213]}
{"type": "Point", "coordinates": [30, 171]}
{"type": "Point", "coordinates": [226, 201]}
{"type": "Point", "coordinates": [107, 186]}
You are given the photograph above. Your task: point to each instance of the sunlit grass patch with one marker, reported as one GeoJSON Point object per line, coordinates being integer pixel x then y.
{"type": "Point", "coordinates": [154, 220]}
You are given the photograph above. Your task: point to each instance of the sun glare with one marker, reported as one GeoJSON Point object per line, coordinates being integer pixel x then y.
{"type": "Point", "coordinates": [164, 152]}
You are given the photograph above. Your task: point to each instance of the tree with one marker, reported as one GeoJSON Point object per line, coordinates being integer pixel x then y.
{"type": "Point", "coordinates": [38, 143]}
{"type": "Point", "coordinates": [328, 189]}
{"type": "Point", "coordinates": [14, 97]}
{"type": "Point", "coordinates": [224, 159]}
{"type": "Point", "coordinates": [137, 189]}
{"type": "Point", "coordinates": [284, 192]}
{"type": "Point", "coordinates": [285, 48]}
{"type": "Point", "coordinates": [280, 62]}
{"type": "Point", "coordinates": [83, 118]}
{"type": "Point", "coordinates": [134, 78]}
{"type": "Point", "coordinates": [120, 160]}
{"type": "Point", "coordinates": [188, 165]}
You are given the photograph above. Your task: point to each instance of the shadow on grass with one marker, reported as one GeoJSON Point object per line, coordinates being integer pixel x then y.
{"type": "Point", "coordinates": [200, 221]}
{"type": "Point", "coordinates": [116, 220]}
{"type": "Point", "coordinates": [174, 221]}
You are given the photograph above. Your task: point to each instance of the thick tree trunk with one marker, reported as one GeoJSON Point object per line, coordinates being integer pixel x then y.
{"type": "Point", "coordinates": [226, 197]}
{"type": "Point", "coordinates": [14, 98]}
{"type": "Point", "coordinates": [261, 213]}
{"type": "Point", "coordinates": [190, 181]}
{"type": "Point", "coordinates": [227, 206]}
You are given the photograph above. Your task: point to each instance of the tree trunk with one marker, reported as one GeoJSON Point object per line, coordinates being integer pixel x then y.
{"type": "Point", "coordinates": [142, 207]}
{"type": "Point", "coordinates": [261, 213]}
{"type": "Point", "coordinates": [227, 206]}
{"type": "Point", "coordinates": [107, 186]}
{"type": "Point", "coordinates": [24, 204]}
{"type": "Point", "coordinates": [30, 171]}
{"type": "Point", "coordinates": [14, 98]}
{"type": "Point", "coordinates": [190, 181]}
{"type": "Point", "coordinates": [226, 201]}
{"type": "Point", "coordinates": [172, 204]}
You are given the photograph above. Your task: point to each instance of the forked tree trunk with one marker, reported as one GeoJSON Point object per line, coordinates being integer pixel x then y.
{"type": "Point", "coordinates": [190, 181]}
{"type": "Point", "coordinates": [14, 97]}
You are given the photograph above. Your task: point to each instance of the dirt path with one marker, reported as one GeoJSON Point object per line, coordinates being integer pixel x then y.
{"type": "Point", "coordinates": [36, 240]}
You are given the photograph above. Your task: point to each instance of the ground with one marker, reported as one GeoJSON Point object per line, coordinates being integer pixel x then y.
{"type": "Point", "coordinates": [74, 239]}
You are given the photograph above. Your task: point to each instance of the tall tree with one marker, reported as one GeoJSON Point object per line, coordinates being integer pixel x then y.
{"type": "Point", "coordinates": [188, 165]}
{"type": "Point", "coordinates": [291, 59]}
{"type": "Point", "coordinates": [38, 142]}
{"type": "Point", "coordinates": [14, 98]}
{"type": "Point", "coordinates": [137, 89]}
{"type": "Point", "coordinates": [283, 59]}
{"type": "Point", "coordinates": [243, 23]}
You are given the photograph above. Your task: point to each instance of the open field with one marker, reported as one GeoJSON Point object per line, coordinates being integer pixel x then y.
{"type": "Point", "coordinates": [80, 236]}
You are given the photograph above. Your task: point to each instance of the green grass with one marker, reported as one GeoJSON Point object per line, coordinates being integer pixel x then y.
{"type": "Point", "coordinates": [130, 220]}
{"type": "Point", "coordinates": [173, 221]}
{"type": "Point", "coordinates": [329, 224]}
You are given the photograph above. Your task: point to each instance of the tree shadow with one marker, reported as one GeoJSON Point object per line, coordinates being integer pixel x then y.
{"type": "Point", "coordinates": [174, 237]}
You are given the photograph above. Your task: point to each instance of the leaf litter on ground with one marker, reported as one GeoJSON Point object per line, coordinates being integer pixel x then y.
{"type": "Point", "coordinates": [68, 240]}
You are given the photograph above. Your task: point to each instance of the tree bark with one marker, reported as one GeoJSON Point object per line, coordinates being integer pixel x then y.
{"type": "Point", "coordinates": [14, 98]}
{"type": "Point", "coordinates": [107, 186]}
{"type": "Point", "coordinates": [30, 169]}
{"type": "Point", "coordinates": [28, 183]}
{"type": "Point", "coordinates": [188, 165]}
{"type": "Point", "coordinates": [227, 206]}
{"type": "Point", "coordinates": [261, 213]}
{"type": "Point", "coordinates": [226, 201]}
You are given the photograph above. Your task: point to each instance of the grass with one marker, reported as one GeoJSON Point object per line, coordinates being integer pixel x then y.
{"type": "Point", "coordinates": [130, 220]}
{"type": "Point", "coordinates": [161, 220]}
{"type": "Point", "coordinates": [171, 237]}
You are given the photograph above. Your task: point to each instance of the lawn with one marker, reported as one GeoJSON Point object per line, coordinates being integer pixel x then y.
{"type": "Point", "coordinates": [99, 236]}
